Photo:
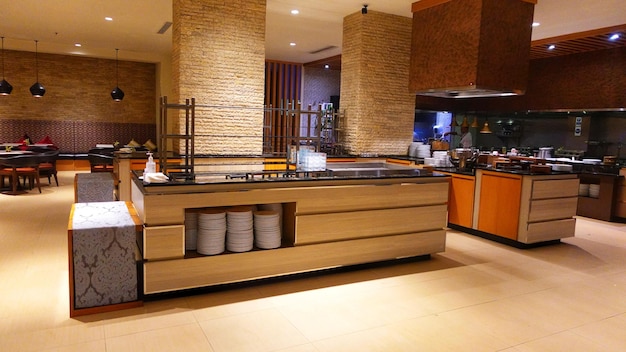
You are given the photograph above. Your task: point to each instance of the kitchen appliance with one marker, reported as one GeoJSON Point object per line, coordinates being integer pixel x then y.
{"type": "Point", "coordinates": [463, 158]}
{"type": "Point", "coordinates": [545, 152]}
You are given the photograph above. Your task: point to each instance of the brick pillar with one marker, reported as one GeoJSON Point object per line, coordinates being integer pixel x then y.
{"type": "Point", "coordinates": [218, 57]}
{"type": "Point", "coordinates": [374, 83]}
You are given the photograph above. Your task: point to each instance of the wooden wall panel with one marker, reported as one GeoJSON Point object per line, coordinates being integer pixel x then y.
{"type": "Point", "coordinates": [283, 83]}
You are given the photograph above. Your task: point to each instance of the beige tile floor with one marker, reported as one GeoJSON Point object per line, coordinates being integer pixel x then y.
{"type": "Point", "coordinates": [477, 296]}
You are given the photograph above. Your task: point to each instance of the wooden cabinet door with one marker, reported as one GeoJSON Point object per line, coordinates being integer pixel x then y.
{"type": "Point", "coordinates": [461, 202]}
{"type": "Point", "coordinates": [500, 205]}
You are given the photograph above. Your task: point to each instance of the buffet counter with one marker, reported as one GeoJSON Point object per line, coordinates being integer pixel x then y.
{"type": "Point", "coordinates": [328, 220]}
{"type": "Point", "coordinates": [515, 207]}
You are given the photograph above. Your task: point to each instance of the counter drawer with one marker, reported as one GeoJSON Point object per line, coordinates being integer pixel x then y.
{"type": "Point", "coordinates": [163, 242]}
{"type": "Point", "coordinates": [549, 230]}
{"type": "Point", "coordinates": [372, 223]}
{"type": "Point", "coordinates": [364, 197]}
{"type": "Point", "coordinates": [552, 209]}
{"type": "Point", "coordinates": [555, 188]}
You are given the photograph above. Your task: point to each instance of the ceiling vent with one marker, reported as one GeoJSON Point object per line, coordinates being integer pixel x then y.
{"type": "Point", "coordinates": [330, 47]}
{"type": "Point", "coordinates": [470, 48]}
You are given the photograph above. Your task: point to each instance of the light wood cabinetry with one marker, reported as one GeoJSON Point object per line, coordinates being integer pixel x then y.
{"type": "Point", "coordinates": [620, 202]}
{"type": "Point", "coordinates": [326, 223]}
{"type": "Point", "coordinates": [607, 204]}
{"type": "Point", "coordinates": [526, 208]}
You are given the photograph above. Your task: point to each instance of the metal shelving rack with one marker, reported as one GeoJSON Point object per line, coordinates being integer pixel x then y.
{"type": "Point", "coordinates": [185, 169]}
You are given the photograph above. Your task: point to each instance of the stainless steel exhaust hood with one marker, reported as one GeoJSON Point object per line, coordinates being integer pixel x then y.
{"type": "Point", "coordinates": [470, 48]}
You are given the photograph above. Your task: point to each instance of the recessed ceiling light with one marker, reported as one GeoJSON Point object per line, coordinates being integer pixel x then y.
{"type": "Point", "coordinates": [295, 12]}
{"type": "Point", "coordinates": [614, 36]}
{"type": "Point", "coordinates": [536, 24]}
{"type": "Point", "coordinates": [292, 44]}
{"type": "Point", "coordinates": [551, 47]}
{"type": "Point", "coordinates": [108, 18]}
{"type": "Point", "coordinates": [78, 44]}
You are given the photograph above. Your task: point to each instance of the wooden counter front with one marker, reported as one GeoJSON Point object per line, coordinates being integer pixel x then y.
{"type": "Point", "coordinates": [326, 223]}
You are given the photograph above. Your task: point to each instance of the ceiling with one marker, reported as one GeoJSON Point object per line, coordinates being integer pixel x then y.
{"type": "Point", "coordinates": [58, 25]}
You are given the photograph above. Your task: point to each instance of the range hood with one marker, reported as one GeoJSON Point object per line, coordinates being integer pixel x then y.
{"type": "Point", "coordinates": [470, 48]}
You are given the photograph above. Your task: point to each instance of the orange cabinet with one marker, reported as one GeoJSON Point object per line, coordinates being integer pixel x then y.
{"type": "Point", "coordinates": [461, 199]}
{"type": "Point", "coordinates": [500, 196]}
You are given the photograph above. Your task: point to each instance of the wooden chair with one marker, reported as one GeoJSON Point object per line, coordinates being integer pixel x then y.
{"type": "Point", "coordinates": [26, 166]}
{"type": "Point", "coordinates": [100, 162]}
{"type": "Point", "coordinates": [48, 165]}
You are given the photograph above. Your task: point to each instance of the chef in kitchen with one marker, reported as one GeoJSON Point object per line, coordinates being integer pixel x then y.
{"type": "Point", "coordinates": [466, 137]}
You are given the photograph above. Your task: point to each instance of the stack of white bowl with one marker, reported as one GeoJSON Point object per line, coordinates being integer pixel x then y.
{"type": "Point", "coordinates": [594, 191]}
{"type": "Point", "coordinates": [239, 224]}
{"type": "Point", "coordinates": [267, 229]}
{"type": "Point", "coordinates": [191, 229]}
{"type": "Point", "coordinates": [583, 189]}
{"type": "Point", "coordinates": [211, 231]}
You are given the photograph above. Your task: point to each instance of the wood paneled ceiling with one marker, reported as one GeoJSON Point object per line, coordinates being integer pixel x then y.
{"type": "Point", "coordinates": [574, 43]}
{"type": "Point", "coordinates": [596, 39]}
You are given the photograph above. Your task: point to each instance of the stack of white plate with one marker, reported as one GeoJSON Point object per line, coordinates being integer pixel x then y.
{"type": "Point", "coordinates": [562, 167]}
{"type": "Point", "coordinates": [423, 151]}
{"type": "Point", "coordinates": [267, 229]}
{"type": "Point", "coordinates": [583, 189]}
{"type": "Point", "coordinates": [239, 224]}
{"type": "Point", "coordinates": [191, 229]}
{"type": "Point", "coordinates": [592, 161]}
{"type": "Point", "coordinates": [211, 231]}
{"type": "Point", "coordinates": [413, 149]}
{"type": "Point", "coordinates": [276, 207]}
{"type": "Point", "coordinates": [441, 158]}
{"type": "Point", "coordinates": [594, 191]}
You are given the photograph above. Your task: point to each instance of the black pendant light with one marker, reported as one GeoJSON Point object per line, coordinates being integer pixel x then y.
{"type": "Point", "coordinates": [117, 94]}
{"type": "Point", "coordinates": [37, 90]}
{"type": "Point", "coordinates": [5, 87]}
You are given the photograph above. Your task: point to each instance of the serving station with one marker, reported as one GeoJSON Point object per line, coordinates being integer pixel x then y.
{"type": "Point", "coordinates": [365, 214]}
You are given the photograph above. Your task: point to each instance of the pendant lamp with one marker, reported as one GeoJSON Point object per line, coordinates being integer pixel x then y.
{"type": "Point", "coordinates": [475, 122]}
{"type": "Point", "coordinates": [37, 90]}
{"type": "Point", "coordinates": [117, 94]}
{"type": "Point", "coordinates": [485, 128]}
{"type": "Point", "coordinates": [5, 87]}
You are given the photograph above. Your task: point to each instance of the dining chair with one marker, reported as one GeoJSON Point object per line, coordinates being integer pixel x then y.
{"type": "Point", "coordinates": [48, 165]}
{"type": "Point", "coordinates": [21, 166]}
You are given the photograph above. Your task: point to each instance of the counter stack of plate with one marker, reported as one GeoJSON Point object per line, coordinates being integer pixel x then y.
{"type": "Point", "coordinates": [583, 190]}
{"type": "Point", "coordinates": [211, 231]}
{"type": "Point", "coordinates": [423, 151]}
{"type": "Point", "coordinates": [276, 207]}
{"type": "Point", "coordinates": [240, 233]}
{"type": "Point", "coordinates": [441, 158]}
{"type": "Point", "coordinates": [191, 229]}
{"type": "Point", "coordinates": [594, 190]}
{"type": "Point", "coordinates": [267, 229]}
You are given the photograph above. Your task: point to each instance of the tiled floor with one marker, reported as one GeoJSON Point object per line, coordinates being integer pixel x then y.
{"type": "Point", "coordinates": [477, 296]}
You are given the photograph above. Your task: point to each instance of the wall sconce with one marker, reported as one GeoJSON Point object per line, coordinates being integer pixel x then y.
{"type": "Point", "coordinates": [5, 87]}
{"type": "Point", "coordinates": [364, 9]}
{"type": "Point", "coordinates": [117, 94]}
{"type": "Point", "coordinates": [37, 90]}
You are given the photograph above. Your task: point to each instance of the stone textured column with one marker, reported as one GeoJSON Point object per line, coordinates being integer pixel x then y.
{"type": "Point", "coordinates": [218, 57]}
{"type": "Point", "coordinates": [375, 59]}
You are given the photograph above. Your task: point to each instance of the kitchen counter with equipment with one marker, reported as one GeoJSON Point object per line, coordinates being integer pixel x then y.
{"type": "Point", "coordinates": [358, 215]}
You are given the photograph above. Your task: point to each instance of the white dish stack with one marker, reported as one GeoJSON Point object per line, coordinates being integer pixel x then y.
{"type": "Point", "coordinates": [423, 150]}
{"type": "Point", "coordinates": [267, 233]}
{"type": "Point", "coordinates": [441, 158]}
{"type": "Point", "coordinates": [211, 231]}
{"type": "Point", "coordinates": [583, 190]}
{"type": "Point", "coordinates": [594, 191]}
{"type": "Point", "coordinates": [191, 229]}
{"type": "Point", "coordinates": [239, 224]}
